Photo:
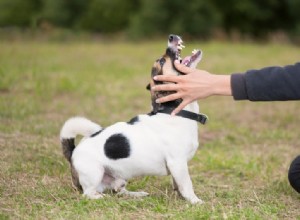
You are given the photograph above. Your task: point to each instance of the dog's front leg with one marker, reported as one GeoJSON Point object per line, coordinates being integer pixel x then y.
{"type": "Point", "coordinates": [181, 177]}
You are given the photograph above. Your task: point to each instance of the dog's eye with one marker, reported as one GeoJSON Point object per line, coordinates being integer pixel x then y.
{"type": "Point", "coordinates": [162, 61]}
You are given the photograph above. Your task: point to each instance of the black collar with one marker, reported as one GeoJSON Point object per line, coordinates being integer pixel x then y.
{"type": "Point", "coordinates": [185, 114]}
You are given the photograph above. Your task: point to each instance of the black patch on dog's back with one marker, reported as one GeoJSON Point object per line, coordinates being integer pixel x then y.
{"type": "Point", "coordinates": [134, 120]}
{"type": "Point", "coordinates": [117, 147]}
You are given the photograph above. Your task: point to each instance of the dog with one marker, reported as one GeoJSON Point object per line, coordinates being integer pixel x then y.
{"type": "Point", "coordinates": [149, 144]}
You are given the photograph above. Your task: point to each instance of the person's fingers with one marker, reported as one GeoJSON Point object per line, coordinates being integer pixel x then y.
{"type": "Point", "coordinates": [168, 98]}
{"type": "Point", "coordinates": [182, 68]}
{"type": "Point", "coordinates": [164, 87]}
{"type": "Point", "coordinates": [166, 78]}
{"type": "Point", "coordinates": [180, 107]}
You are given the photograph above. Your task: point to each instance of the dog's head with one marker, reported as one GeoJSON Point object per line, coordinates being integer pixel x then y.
{"type": "Point", "coordinates": [165, 66]}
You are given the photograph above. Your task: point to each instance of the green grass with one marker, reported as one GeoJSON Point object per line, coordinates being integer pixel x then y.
{"type": "Point", "coordinates": [240, 170]}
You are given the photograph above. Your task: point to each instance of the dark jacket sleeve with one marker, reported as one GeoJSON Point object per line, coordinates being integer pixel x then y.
{"type": "Point", "coordinates": [267, 84]}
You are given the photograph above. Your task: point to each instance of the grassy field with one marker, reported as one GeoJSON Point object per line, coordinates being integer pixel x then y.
{"type": "Point", "coordinates": [240, 170]}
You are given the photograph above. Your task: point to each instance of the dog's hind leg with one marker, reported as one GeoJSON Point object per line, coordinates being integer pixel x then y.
{"type": "Point", "coordinates": [175, 187]}
{"type": "Point", "coordinates": [90, 176]}
{"type": "Point", "coordinates": [180, 174]}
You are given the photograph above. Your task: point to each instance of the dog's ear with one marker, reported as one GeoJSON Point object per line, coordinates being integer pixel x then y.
{"type": "Point", "coordinates": [156, 70]}
{"type": "Point", "coordinates": [154, 96]}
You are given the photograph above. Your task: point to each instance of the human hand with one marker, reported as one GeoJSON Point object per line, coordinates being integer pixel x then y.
{"type": "Point", "coordinates": [195, 84]}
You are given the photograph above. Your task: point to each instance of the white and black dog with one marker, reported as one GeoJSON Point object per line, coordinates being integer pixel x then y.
{"type": "Point", "coordinates": [149, 144]}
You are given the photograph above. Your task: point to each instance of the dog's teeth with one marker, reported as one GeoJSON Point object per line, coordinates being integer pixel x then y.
{"type": "Point", "coordinates": [180, 47]}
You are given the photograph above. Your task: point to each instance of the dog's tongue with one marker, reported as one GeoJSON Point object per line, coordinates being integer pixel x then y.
{"type": "Point", "coordinates": [186, 60]}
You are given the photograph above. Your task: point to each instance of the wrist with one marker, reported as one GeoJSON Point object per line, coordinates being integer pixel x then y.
{"type": "Point", "coordinates": [221, 85]}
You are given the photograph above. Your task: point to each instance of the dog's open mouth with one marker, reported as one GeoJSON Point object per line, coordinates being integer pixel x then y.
{"type": "Point", "coordinates": [188, 60]}
{"type": "Point", "coordinates": [176, 43]}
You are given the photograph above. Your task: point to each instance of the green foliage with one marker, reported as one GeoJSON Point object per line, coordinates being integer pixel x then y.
{"type": "Point", "coordinates": [149, 20]}
{"type": "Point", "coordinates": [197, 18]}
{"type": "Point", "coordinates": [65, 13]}
{"type": "Point", "coordinates": [107, 15]}
{"type": "Point", "coordinates": [293, 7]}
{"type": "Point", "coordinates": [146, 18]}
{"type": "Point", "coordinates": [55, 12]}
{"type": "Point", "coordinates": [17, 12]}
{"type": "Point", "coordinates": [254, 16]}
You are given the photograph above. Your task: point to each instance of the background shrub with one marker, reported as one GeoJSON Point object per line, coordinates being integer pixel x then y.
{"type": "Point", "coordinates": [146, 18]}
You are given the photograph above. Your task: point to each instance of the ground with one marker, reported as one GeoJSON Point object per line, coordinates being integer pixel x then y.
{"type": "Point", "coordinates": [240, 169]}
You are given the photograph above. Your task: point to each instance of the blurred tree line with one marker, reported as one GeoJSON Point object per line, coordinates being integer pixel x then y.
{"type": "Point", "coordinates": [140, 18]}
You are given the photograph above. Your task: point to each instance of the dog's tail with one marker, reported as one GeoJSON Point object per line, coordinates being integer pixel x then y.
{"type": "Point", "coordinates": [73, 127]}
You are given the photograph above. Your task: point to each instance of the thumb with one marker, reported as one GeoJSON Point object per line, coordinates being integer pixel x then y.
{"type": "Point", "coordinates": [182, 68]}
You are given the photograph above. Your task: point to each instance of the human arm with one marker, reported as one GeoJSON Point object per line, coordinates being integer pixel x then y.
{"type": "Point", "coordinates": [195, 84]}
{"type": "Point", "coordinates": [267, 84]}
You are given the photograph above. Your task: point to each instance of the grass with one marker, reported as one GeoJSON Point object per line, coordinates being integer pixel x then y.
{"type": "Point", "coordinates": [240, 170]}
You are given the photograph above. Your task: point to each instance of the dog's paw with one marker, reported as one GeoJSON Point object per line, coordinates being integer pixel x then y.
{"type": "Point", "coordinates": [140, 194]}
{"type": "Point", "coordinates": [95, 195]}
{"type": "Point", "coordinates": [133, 194]}
{"type": "Point", "coordinates": [196, 201]}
